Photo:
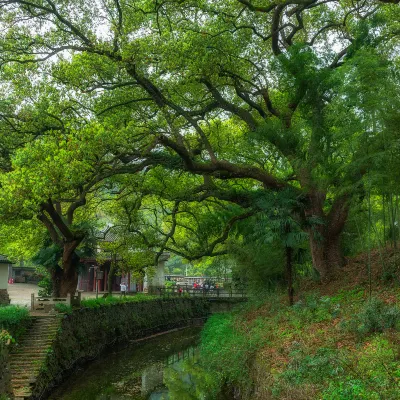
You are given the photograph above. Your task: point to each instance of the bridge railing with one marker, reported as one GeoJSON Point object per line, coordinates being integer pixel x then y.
{"type": "Point", "coordinates": [47, 303]}
{"type": "Point", "coordinates": [201, 292]}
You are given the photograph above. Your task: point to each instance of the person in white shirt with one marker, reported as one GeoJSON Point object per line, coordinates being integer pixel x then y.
{"type": "Point", "coordinates": [123, 289]}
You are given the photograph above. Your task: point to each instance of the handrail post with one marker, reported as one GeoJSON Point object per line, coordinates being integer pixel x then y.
{"type": "Point", "coordinates": [32, 301]}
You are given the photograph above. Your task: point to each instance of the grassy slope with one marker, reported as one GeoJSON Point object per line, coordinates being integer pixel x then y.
{"type": "Point", "coordinates": [334, 344]}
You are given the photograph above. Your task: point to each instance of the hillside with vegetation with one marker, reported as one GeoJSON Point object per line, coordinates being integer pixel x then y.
{"type": "Point", "coordinates": [338, 341]}
{"type": "Point", "coordinates": [252, 138]}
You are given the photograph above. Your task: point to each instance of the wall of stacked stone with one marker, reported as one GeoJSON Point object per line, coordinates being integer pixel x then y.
{"type": "Point", "coordinates": [4, 370]}
{"type": "Point", "coordinates": [4, 297]}
{"type": "Point", "coordinates": [16, 329]}
{"type": "Point", "coordinates": [87, 332]}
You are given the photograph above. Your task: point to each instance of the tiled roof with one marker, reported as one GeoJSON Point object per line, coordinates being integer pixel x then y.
{"type": "Point", "coordinates": [111, 234]}
{"type": "Point", "coordinates": [4, 260]}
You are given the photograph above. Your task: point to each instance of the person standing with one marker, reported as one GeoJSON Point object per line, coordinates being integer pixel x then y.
{"type": "Point", "coordinates": [123, 289]}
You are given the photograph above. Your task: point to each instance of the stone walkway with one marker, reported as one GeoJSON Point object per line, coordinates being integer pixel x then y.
{"type": "Point", "coordinates": [20, 293]}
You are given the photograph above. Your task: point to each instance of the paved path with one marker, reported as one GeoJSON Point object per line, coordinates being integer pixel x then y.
{"type": "Point", "coordinates": [20, 293]}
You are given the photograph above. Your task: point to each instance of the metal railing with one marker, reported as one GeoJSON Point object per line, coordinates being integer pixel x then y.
{"type": "Point", "coordinates": [201, 292]}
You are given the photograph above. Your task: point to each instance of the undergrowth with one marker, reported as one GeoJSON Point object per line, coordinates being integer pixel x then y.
{"type": "Point", "coordinates": [330, 348]}
{"type": "Point", "coordinates": [105, 301]}
{"type": "Point", "coordinates": [110, 300]}
{"type": "Point", "coordinates": [12, 320]}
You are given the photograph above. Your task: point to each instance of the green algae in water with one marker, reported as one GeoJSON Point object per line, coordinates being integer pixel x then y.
{"type": "Point", "coordinates": [137, 372]}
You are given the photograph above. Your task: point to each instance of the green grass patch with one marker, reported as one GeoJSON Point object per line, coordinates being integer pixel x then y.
{"type": "Point", "coordinates": [13, 319]}
{"type": "Point", "coordinates": [374, 316]}
{"type": "Point", "coordinates": [63, 308]}
{"type": "Point", "coordinates": [110, 300]}
{"type": "Point", "coordinates": [323, 348]}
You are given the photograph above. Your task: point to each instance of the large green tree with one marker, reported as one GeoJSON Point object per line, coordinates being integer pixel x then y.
{"type": "Point", "coordinates": [53, 179]}
{"type": "Point", "coordinates": [242, 94]}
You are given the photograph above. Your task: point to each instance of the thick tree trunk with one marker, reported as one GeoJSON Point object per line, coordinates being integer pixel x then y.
{"type": "Point", "coordinates": [111, 274]}
{"type": "Point", "coordinates": [289, 275]}
{"type": "Point", "coordinates": [326, 255]}
{"type": "Point", "coordinates": [69, 280]}
{"type": "Point", "coordinates": [56, 279]}
{"type": "Point", "coordinates": [65, 279]}
{"type": "Point", "coordinates": [325, 236]}
{"type": "Point", "coordinates": [289, 268]}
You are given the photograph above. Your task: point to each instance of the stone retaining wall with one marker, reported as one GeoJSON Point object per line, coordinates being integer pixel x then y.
{"type": "Point", "coordinates": [16, 329]}
{"type": "Point", "coordinates": [4, 297]}
{"type": "Point", "coordinates": [4, 370]}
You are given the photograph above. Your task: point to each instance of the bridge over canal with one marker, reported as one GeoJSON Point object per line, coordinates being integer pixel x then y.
{"type": "Point", "coordinates": [221, 300]}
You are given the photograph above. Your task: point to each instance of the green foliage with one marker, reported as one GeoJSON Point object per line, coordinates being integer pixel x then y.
{"type": "Point", "coordinates": [375, 316]}
{"type": "Point", "coordinates": [46, 287]}
{"type": "Point", "coordinates": [5, 337]}
{"type": "Point", "coordinates": [45, 284]}
{"type": "Point", "coordinates": [373, 374]}
{"type": "Point", "coordinates": [48, 256]}
{"type": "Point", "coordinates": [14, 319]}
{"type": "Point", "coordinates": [111, 300]}
{"type": "Point", "coordinates": [315, 368]}
{"type": "Point", "coordinates": [346, 296]}
{"type": "Point", "coordinates": [316, 309]}
{"type": "Point", "coordinates": [63, 308]}
{"type": "Point", "coordinates": [170, 284]}
{"type": "Point", "coordinates": [350, 388]}
{"type": "Point", "coordinates": [46, 259]}
{"type": "Point", "coordinates": [226, 351]}
{"type": "Point", "coordinates": [308, 359]}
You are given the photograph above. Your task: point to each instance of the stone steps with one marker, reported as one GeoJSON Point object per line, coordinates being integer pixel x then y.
{"type": "Point", "coordinates": [37, 340]}
{"type": "Point", "coordinates": [22, 357]}
{"type": "Point", "coordinates": [27, 358]}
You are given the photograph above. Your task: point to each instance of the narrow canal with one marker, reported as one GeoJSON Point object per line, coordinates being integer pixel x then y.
{"type": "Point", "coordinates": [139, 371]}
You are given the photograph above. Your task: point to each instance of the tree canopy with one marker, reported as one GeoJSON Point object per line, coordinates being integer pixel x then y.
{"type": "Point", "coordinates": [210, 113]}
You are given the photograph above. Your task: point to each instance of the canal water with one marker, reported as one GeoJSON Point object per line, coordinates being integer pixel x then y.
{"type": "Point", "coordinates": [140, 371]}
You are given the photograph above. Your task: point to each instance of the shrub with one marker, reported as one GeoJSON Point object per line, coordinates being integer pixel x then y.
{"type": "Point", "coordinates": [374, 316]}
{"type": "Point", "coordinates": [314, 368]}
{"type": "Point", "coordinates": [63, 308]}
{"type": "Point", "coordinates": [349, 389]}
{"type": "Point", "coordinates": [316, 309]}
{"type": "Point", "coordinates": [5, 337]}
{"type": "Point", "coordinates": [46, 287]}
{"type": "Point", "coordinates": [12, 318]}
{"type": "Point", "coordinates": [372, 373]}
{"type": "Point", "coordinates": [45, 284]}
{"type": "Point", "coordinates": [226, 349]}
{"type": "Point", "coordinates": [109, 300]}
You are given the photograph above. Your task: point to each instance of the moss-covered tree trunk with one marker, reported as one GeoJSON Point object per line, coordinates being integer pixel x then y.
{"type": "Point", "coordinates": [111, 274]}
{"type": "Point", "coordinates": [65, 278]}
{"type": "Point", "coordinates": [325, 234]}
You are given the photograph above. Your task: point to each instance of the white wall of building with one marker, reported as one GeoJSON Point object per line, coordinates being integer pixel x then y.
{"type": "Point", "coordinates": [3, 276]}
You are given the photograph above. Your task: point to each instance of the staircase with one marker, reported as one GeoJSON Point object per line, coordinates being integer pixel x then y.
{"type": "Point", "coordinates": [27, 358]}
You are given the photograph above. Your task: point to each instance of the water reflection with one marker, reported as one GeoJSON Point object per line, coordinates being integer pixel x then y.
{"type": "Point", "coordinates": [137, 372]}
